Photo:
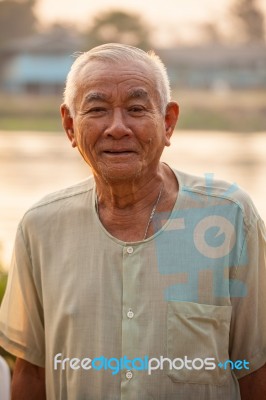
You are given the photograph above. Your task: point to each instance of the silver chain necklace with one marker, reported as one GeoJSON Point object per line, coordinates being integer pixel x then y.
{"type": "Point", "coordinates": [151, 215]}
{"type": "Point", "coordinates": [153, 212]}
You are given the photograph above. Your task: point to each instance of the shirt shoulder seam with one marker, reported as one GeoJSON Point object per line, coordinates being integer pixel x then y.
{"type": "Point", "coordinates": [230, 199]}
{"type": "Point", "coordinates": [59, 198]}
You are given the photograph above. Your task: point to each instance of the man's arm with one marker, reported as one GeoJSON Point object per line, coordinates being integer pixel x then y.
{"type": "Point", "coordinates": [253, 386]}
{"type": "Point", "coordinates": [28, 381]}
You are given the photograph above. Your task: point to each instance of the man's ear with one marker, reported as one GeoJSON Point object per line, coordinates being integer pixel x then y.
{"type": "Point", "coordinates": [67, 122]}
{"type": "Point", "coordinates": [171, 117]}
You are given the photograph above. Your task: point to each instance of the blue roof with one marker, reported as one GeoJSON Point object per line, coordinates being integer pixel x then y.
{"type": "Point", "coordinates": [43, 69]}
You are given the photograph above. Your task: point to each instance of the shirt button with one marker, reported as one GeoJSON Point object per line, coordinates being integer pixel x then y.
{"type": "Point", "coordinates": [129, 374]}
{"type": "Point", "coordinates": [130, 250]}
{"type": "Point", "coordinates": [130, 313]}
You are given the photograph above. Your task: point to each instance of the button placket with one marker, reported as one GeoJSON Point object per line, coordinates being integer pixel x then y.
{"type": "Point", "coordinates": [130, 249]}
{"type": "Point", "coordinates": [129, 374]}
{"type": "Point", "coordinates": [130, 314]}
{"type": "Point", "coordinates": [129, 327]}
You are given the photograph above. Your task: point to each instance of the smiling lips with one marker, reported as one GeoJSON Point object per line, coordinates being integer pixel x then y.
{"type": "Point", "coordinates": [114, 152]}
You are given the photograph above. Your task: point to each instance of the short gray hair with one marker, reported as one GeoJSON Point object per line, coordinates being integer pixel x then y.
{"type": "Point", "coordinates": [117, 53]}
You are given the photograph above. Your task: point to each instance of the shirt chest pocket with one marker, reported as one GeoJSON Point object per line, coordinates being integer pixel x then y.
{"type": "Point", "coordinates": [197, 340]}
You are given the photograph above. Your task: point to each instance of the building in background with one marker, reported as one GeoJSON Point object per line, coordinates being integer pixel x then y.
{"type": "Point", "coordinates": [38, 64]}
{"type": "Point", "coordinates": [217, 66]}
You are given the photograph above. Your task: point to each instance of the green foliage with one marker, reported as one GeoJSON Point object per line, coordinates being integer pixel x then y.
{"type": "Point", "coordinates": [30, 113]}
{"type": "Point", "coordinates": [240, 111]}
{"type": "Point", "coordinates": [3, 278]}
{"type": "Point", "coordinates": [118, 27]}
{"type": "Point", "coordinates": [17, 19]}
{"type": "Point", "coordinates": [235, 111]}
{"type": "Point", "coordinates": [3, 281]}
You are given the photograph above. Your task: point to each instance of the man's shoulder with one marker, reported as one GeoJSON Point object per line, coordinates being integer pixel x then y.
{"type": "Point", "coordinates": [208, 189]}
{"type": "Point", "coordinates": [55, 200]}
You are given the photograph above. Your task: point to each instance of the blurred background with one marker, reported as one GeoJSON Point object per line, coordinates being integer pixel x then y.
{"type": "Point", "coordinates": [215, 53]}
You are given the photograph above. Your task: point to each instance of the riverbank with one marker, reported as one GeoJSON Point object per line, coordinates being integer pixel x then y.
{"type": "Point", "coordinates": [232, 111]}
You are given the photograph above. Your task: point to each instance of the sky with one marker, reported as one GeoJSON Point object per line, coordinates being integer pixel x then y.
{"type": "Point", "coordinates": [171, 20]}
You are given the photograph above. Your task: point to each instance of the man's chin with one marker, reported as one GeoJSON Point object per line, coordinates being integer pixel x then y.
{"type": "Point", "coordinates": [119, 174]}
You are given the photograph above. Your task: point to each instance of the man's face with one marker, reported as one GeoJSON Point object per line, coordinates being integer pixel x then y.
{"type": "Point", "coordinates": [118, 126]}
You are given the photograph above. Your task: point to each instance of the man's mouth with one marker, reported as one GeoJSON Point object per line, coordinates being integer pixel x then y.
{"type": "Point", "coordinates": [119, 152]}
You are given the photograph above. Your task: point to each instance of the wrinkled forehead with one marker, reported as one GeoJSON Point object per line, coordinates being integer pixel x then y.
{"type": "Point", "coordinates": [133, 79]}
{"type": "Point", "coordinates": [98, 73]}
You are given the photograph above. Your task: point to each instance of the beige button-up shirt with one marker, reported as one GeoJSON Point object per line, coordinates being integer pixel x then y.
{"type": "Point", "coordinates": [180, 315]}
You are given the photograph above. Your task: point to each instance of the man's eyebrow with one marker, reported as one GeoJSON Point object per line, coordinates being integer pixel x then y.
{"type": "Point", "coordinates": [95, 96]}
{"type": "Point", "coordinates": [137, 94]}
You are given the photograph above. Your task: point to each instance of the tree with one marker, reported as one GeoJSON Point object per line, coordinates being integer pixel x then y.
{"type": "Point", "coordinates": [251, 18]}
{"type": "Point", "coordinates": [118, 26]}
{"type": "Point", "coordinates": [17, 19]}
{"type": "Point", "coordinates": [211, 33]}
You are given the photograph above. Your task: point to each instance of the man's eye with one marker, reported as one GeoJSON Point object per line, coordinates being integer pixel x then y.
{"type": "Point", "coordinates": [136, 109]}
{"type": "Point", "coordinates": [96, 110]}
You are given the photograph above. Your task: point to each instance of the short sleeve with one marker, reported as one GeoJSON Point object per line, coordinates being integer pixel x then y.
{"type": "Point", "coordinates": [21, 313]}
{"type": "Point", "coordinates": [248, 325]}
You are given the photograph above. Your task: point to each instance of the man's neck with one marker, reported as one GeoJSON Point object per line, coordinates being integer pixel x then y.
{"type": "Point", "coordinates": [125, 209]}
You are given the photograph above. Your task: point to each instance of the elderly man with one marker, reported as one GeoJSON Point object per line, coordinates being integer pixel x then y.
{"type": "Point", "coordinates": [141, 282]}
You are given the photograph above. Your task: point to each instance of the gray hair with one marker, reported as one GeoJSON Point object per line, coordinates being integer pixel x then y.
{"type": "Point", "coordinates": [117, 52]}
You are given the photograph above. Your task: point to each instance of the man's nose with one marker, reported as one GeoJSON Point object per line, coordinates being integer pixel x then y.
{"type": "Point", "coordinates": [118, 127]}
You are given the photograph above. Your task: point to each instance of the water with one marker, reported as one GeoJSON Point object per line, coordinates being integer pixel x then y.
{"type": "Point", "coordinates": [34, 164]}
